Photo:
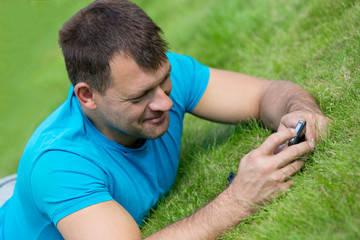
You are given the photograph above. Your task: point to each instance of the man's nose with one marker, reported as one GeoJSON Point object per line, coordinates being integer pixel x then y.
{"type": "Point", "coordinates": [161, 101]}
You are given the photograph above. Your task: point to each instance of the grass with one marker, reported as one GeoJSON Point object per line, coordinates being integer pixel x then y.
{"type": "Point", "coordinates": [315, 43]}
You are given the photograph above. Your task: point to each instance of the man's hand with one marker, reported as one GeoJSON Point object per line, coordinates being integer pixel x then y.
{"type": "Point", "coordinates": [283, 104]}
{"type": "Point", "coordinates": [316, 123]}
{"type": "Point", "coordinates": [263, 174]}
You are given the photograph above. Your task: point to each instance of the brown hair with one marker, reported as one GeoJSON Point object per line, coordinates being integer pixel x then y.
{"type": "Point", "coordinates": [91, 38]}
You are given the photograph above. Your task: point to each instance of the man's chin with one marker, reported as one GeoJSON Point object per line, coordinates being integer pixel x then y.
{"type": "Point", "coordinates": [159, 130]}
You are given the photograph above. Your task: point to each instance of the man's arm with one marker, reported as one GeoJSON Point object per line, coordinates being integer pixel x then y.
{"type": "Point", "coordinates": [261, 175]}
{"type": "Point", "coordinates": [233, 97]}
{"type": "Point", "coordinates": [230, 97]}
{"type": "Point", "coordinates": [106, 220]}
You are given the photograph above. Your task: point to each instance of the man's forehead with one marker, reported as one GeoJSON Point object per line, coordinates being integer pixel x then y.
{"type": "Point", "coordinates": [127, 73]}
{"type": "Point", "coordinates": [122, 63]}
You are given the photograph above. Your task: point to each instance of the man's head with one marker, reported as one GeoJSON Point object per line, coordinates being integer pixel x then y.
{"type": "Point", "coordinates": [116, 60]}
{"type": "Point", "coordinates": [105, 28]}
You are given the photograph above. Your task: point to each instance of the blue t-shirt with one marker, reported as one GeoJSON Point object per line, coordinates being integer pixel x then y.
{"type": "Point", "coordinates": [68, 164]}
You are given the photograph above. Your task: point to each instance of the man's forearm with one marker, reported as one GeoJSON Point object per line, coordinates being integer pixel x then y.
{"type": "Point", "coordinates": [209, 222]}
{"type": "Point", "coordinates": [281, 98]}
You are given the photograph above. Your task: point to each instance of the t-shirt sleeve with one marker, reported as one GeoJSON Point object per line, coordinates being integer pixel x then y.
{"type": "Point", "coordinates": [189, 78]}
{"type": "Point", "coordinates": [63, 183]}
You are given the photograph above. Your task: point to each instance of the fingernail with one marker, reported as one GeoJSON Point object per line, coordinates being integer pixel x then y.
{"type": "Point", "coordinates": [293, 130]}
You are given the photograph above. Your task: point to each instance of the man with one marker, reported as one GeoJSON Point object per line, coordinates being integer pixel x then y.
{"type": "Point", "coordinates": [99, 163]}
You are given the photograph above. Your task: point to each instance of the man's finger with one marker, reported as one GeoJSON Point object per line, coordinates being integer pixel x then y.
{"type": "Point", "coordinates": [281, 127]}
{"type": "Point", "coordinates": [290, 169]}
{"type": "Point", "coordinates": [280, 148]}
{"type": "Point", "coordinates": [289, 154]}
{"type": "Point", "coordinates": [320, 128]}
{"type": "Point", "coordinates": [286, 185]}
{"type": "Point", "coordinates": [275, 140]}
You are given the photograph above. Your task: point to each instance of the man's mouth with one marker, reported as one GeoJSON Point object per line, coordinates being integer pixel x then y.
{"type": "Point", "coordinates": [156, 119]}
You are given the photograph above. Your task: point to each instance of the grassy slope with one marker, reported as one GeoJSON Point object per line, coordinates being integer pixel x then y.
{"type": "Point", "coordinates": [313, 43]}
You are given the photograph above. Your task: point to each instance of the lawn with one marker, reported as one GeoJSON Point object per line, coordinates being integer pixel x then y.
{"type": "Point", "coordinates": [315, 43]}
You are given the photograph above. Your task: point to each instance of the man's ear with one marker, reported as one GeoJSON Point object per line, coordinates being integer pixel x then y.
{"type": "Point", "coordinates": [85, 95]}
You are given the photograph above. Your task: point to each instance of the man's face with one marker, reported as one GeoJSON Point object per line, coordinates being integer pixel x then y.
{"type": "Point", "coordinates": [136, 104]}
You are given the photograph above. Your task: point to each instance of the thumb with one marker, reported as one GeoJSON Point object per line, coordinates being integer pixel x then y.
{"type": "Point", "coordinates": [281, 127]}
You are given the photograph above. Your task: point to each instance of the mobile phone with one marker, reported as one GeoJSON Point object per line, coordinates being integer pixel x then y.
{"type": "Point", "coordinates": [299, 128]}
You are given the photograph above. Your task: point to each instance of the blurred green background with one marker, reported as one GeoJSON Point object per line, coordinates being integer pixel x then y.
{"type": "Point", "coordinates": [32, 73]}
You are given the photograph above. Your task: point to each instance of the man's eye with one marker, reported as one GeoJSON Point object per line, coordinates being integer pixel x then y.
{"type": "Point", "coordinates": [138, 99]}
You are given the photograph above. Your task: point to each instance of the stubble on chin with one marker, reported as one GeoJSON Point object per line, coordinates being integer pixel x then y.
{"type": "Point", "coordinates": [155, 132]}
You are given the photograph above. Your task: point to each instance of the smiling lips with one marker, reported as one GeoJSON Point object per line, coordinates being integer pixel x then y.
{"type": "Point", "coordinates": [157, 119]}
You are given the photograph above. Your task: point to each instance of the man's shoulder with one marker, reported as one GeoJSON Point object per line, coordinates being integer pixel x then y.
{"type": "Point", "coordinates": [189, 78]}
{"type": "Point", "coordinates": [58, 130]}
{"type": "Point", "coordinates": [180, 59]}
{"type": "Point", "coordinates": [187, 66]}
